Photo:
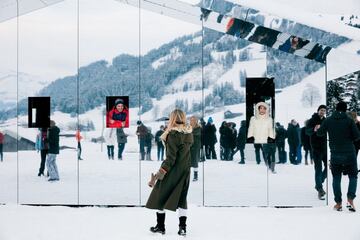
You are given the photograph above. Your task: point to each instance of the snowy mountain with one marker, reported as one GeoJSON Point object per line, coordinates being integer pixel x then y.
{"type": "Point", "coordinates": [28, 86]}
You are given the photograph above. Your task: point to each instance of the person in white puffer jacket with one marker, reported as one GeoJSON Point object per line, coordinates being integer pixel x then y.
{"type": "Point", "coordinates": [110, 140]}
{"type": "Point", "coordinates": [261, 125]}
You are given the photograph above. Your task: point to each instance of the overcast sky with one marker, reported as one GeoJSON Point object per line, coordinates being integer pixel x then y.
{"type": "Point", "coordinates": [48, 37]}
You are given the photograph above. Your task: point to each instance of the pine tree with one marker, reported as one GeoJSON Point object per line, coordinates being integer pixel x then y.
{"type": "Point", "coordinates": [334, 92]}
{"type": "Point", "coordinates": [354, 103]}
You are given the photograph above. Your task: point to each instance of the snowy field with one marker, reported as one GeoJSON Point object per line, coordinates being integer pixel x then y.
{"type": "Point", "coordinates": [113, 182]}
{"type": "Point", "coordinates": [210, 223]}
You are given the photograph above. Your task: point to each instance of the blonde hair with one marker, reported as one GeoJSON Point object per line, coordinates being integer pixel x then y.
{"type": "Point", "coordinates": [353, 115]}
{"type": "Point", "coordinates": [194, 121]}
{"type": "Point", "coordinates": [177, 117]}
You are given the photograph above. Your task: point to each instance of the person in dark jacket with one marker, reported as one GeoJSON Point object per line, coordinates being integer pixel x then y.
{"type": "Point", "coordinates": [210, 139]}
{"type": "Point", "coordinates": [42, 146]}
{"type": "Point", "coordinates": [280, 137]}
{"type": "Point", "coordinates": [305, 142]}
{"type": "Point", "coordinates": [319, 147]}
{"type": "Point", "coordinates": [1, 145]}
{"type": "Point", "coordinates": [222, 130]}
{"type": "Point", "coordinates": [171, 183]}
{"type": "Point", "coordinates": [354, 116]}
{"type": "Point", "coordinates": [241, 141]}
{"type": "Point", "coordinates": [121, 140]}
{"type": "Point", "coordinates": [53, 138]}
{"type": "Point", "coordinates": [228, 141]}
{"type": "Point", "coordinates": [232, 140]}
{"type": "Point", "coordinates": [141, 132]}
{"type": "Point", "coordinates": [342, 133]}
{"type": "Point", "coordinates": [293, 140]}
{"type": "Point", "coordinates": [195, 147]}
{"type": "Point", "coordinates": [148, 143]}
{"type": "Point", "coordinates": [202, 150]}
{"type": "Point", "coordinates": [159, 143]}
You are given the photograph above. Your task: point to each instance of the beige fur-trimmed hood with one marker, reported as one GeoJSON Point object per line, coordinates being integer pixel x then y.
{"type": "Point", "coordinates": [181, 129]}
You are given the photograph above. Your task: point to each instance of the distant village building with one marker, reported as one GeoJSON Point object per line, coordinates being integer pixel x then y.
{"type": "Point", "coordinates": [11, 145]}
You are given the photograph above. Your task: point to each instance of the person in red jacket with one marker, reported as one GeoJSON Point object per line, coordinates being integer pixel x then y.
{"type": "Point", "coordinates": [1, 145]}
{"type": "Point", "coordinates": [78, 139]}
{"type": "Point", "coordinates": [118, 117]}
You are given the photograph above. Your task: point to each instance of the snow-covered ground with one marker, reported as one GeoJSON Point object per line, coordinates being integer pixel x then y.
{"type": "Point", "coordinates": [93, 223]}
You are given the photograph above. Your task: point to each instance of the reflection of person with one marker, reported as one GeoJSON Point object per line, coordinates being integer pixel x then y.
{"type": "Point", "coordinates": [318, 145]}
{"type": "Point", "coordinates": [148, 143]}
{"type": "Point", "coordinates": [261, 127]}
{"type": "Point", "coordinates": [239, 28]}
{"type": "Point", "coordinates": [110, 139]}
{"type": "Point", "coordinates": [232, 142]}
{"type": "Point", "coordinates": [202, 150]}
{"type": "Point", "coordinates": [1, 146]}
{"type": "Point", "coordinates": [258, 147]}
{"type": "Point", "coordinates": [172, 179]}
{"type": "Point", "coordinates": [281, 135]}
{"type": "Point", "coordinates": [305, 142]}
{"type": "Point", "coordinates": [222, 130]}
{"type": "Point", "coordinates": [118, 116]}
{"type": "Point", "coordinates": [264, 36]}
{"type": "Point", "coordinates": [241, 141]}
{"type": "Point", "coordinates": [228, 141]}
{"type": "Point", "coordinates": [160, 145]}
{"type": "Point", "coordinates": [353, 115]}
{"type": "Point", "coordinates": [78, 139]}
{"type": "Point", "coordinates": [319, 53]}
{"type": "Point", "coordinates": [261, 131]}
{"type": "Point", "coordinates": [141, 132]}
{"type": "Point", "coordinates": [293, 141]}
{"type": "Point", "coordinates": [342, 133]}
{"type": "Point", "coordinates": [195, 147]}
{"type": "Point", "coordinates": [210, 139]}
{"type": "Point", "coordinates": [122, 140]}
{"type": "Point", "coordinates": [42, 146]}
{"type": "Point", "coordinates": [53, 138]}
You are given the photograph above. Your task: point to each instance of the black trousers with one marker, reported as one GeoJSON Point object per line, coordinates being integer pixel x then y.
{"type": "Point", "coordinates": [43, 154]}
{"type": "Point", "coordinates": [79, 150]}
{"type": "Point", "coordinates": [337, 170]}
{"type": "Point", "coordinates": [121, 147]}
{"type": "Point", "coordinates": [110, 151]}
{"type": "Point", "coordinates": [320, 165]}
{"type": "Point", "coordinates": [160, 151]}
{"type": "Point", "coordinates": [1, 151]}
{"type": "Point", "coordinates": [210, 151]}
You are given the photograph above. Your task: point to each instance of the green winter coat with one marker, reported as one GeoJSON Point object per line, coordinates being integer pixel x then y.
{"type": "Point", "coordinates": [171, 192]}
{"type": "Point", "coordinates": [195, 148]}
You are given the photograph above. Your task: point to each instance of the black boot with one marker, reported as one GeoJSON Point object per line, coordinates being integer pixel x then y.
{"type": "Point", "coordinates": [160, 226]}
{"type": "Point", "coordinates": [182, 226]}
{"type": "Point", "coordinates": [195, 176]}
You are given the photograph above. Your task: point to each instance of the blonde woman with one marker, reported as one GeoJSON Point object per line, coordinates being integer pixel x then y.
{"type": "Point", "coordinates": [171, 183]}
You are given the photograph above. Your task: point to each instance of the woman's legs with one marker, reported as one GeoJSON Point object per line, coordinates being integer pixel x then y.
{"type": "Point", "coordinates": [182, 221]}
{"type": "Point", "coordinates": [160, 222]}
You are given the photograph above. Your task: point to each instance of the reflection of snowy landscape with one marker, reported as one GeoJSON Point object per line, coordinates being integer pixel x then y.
{"type": "Point", "coordinates": [99, 181]}
{"type": "Point", "coordinates": [114, 182]}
